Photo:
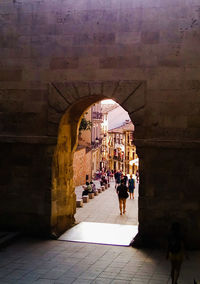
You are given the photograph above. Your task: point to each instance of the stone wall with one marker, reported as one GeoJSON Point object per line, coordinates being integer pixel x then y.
{"type": "Point", "coordinates": [63, 55]}
{"type": "Point", "coordinates": [81, 166]}
{"type": "Point", "coordinates": [26, 187]}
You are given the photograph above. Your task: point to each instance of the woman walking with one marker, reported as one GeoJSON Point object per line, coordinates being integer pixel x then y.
{"type": "Point", "coordinates": [131, 186]}
{"type": "Point", "coordinates": [122, 195]}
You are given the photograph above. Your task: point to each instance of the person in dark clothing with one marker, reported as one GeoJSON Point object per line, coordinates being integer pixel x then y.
{"type": "Point", "coordinates": [87, 189]}
{"type": "Point", "coordinates": [108, 175]}
{"type": "Point", "coordinates": [131, 186]}
{"type": "Point", "coordinates": [117, 178]}
{"type": "Point", "coordinates": [175, 251]}
{"type": "Point", "coordinates": [122, 192]}
{"type": "Point", "coordinates": [125, 179]}
{"type": "Point", "coordinates": [85, 192]}
{"type": "Point", "coordinates": [103, 181]}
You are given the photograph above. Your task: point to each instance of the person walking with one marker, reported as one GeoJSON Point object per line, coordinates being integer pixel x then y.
{"type": "Point", "coordinates": [122, 192]}
{"type": "Point", "coordinates": [131, 186]}
{"type": "Point", "coordinates": [125, 177]}
{"type": "Point", "coordinates": [175, 251]}
{"type": "Point", "coordinates": [108, 175]}
{"type": "Point", "coordinates": [117, 179]}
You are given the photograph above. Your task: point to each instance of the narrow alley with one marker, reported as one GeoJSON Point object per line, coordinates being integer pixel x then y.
{"type": "Point", "coordinates": [104, 208]}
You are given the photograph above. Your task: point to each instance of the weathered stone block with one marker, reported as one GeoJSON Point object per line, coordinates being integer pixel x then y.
{"type": "Point", "coordinates": [119, 62]}
{"type": "Point", "coordinates": [10, 75]}
{"type": "Point", "coordinates": [125, 89]}
{"type": "Point", "coordinates": [64, 63]}
{"type": "Point", "coordinates": [136, 99]}
{"type": "Point", "coordinates": [56, 100]}
{"type": "Point", "coordinates": [91, 195]}
{"type": "Point", "coordinates": [85, 198]}
{"type": "Point", "coordinates": [96, 38]}
{"type": "Point", "coordinates": [79, 203]}
{"type": "Point", "coordinates": [82, 88]}
{"type": "Point", "coordinates": [68, 91]}
{"type": "Point", "coordinates": [150, 37]}
{"type": "Point", "coordinates": [100, 190]}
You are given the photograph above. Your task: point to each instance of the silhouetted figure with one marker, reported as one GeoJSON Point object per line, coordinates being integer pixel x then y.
{"type": "Point", "coordinates": [85, 192]}
{"type": "Point", "coordinates": [122, 192]}
{"type": "Point", "coordinates": [108, 175]}
{"type": "Point", "coordinates": [117, 178]}
{"type": "Point", "coordinates": [125, 179]}
{"type": "Point", "coordinates": [175, 251]}
{"type": "Point", "coordinates": [131, 186]}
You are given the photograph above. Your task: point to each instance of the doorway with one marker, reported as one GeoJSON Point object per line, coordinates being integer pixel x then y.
{"type": "Point", "coordinates": [67, 103]}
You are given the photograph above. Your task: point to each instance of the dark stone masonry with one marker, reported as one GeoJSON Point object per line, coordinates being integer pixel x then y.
{"type": "Point", "coordinates": [60, 57]}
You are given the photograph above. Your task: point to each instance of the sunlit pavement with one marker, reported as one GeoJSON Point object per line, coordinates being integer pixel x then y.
{"type": "Point", "coordinates": [49, 261]}
{"type": "Point", "coordinates": [104, 208]}
{"type": "Point", "coordinates": [99, 220]}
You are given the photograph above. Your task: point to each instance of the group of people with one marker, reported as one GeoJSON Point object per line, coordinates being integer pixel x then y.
{"type": "Point", "coordinates": [108, 174]}
{"type": "Point", "coordinates": [90, 187]}
{"type": "Point", "coordinates": [129, 182]}
{"type": "Point", "coordinates": [123, 185]}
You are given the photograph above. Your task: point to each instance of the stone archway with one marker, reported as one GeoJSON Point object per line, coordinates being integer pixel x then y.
{"type": "Point", "coordinates": [66, 104]}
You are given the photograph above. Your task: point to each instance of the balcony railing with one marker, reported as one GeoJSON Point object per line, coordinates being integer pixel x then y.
{"type": "Point", "coordinates": [96, 143]}
{"type": "Point", "coordinates": [118, 158]}
{"type": "Point", "coordinates": [97, 115]}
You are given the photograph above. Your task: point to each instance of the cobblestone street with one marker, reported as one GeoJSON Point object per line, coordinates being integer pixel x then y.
{"type": "Point", "coordinates": [30, 261]}
{"type": "Point", "coordinates": [104, 208]}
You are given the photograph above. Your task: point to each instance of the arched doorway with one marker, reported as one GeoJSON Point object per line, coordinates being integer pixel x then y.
{"type": "Point", "coordinates": [67, 103]}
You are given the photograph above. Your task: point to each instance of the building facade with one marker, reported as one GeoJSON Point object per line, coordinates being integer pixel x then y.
{"type": "Point", "coordinates": [96, 139]}
{"type": "Point", "coordinates": [121, 149]}
{"type": "Point", "coordinates": [82, 162]}
{"type": "Point", "coordinates": [131, 157]}
{"type": "Point", "coordinates": [87, 157]}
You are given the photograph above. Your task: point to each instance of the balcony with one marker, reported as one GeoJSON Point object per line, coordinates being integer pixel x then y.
{"type": "Point", "coordinates": [97, 115]}
{"type": "Point", "coordinates": [97, 143]}
{"type": "Point", "coordinates": [118, 158]}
